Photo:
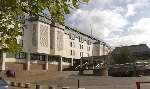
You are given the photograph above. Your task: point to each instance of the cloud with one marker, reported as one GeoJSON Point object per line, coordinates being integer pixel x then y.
{"type": "Point", "coordinates": [116, 21]}
{"type": "Point", "coordinates": [132, 8]}
{"type": "Point", "coordinates": [102, 22]}
{"type": "Point", "coordinates": [138, 33]}
{"type": "Point", "coordinates": [141, 27]}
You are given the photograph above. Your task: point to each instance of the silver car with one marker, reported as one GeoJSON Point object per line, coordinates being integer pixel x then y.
{"type": "Point", "coordinates": [3, 84]}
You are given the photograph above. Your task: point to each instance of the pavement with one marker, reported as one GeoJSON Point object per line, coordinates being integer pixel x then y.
{"type": "Point", "coordinates": [93, 82]}
{"type": "Point", "coordinates": [70, 79]}
{"type": "Point", "coordinates": [98, 82]}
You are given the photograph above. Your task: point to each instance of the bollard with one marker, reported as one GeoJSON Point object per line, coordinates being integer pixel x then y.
{"type": "Point", "coordinates": [51, 87]}
{"type": "Point", "coordinates": [12, 83]}
{"type": "Point", "coordinates": [78, 83]}
{"type": "Point", "coordinates": [38, 86]}
{"type": "Point", "coordinates": [27, 85]}
{"type": "Point", "coordinates": [65, 87]}
{"type": "Point", "coordinates": [138, 85]}
{"type": "Point", "coordinates": [20, 84]}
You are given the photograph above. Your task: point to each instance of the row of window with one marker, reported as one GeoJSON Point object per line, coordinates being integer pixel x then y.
{"type": "Point", "coordinates": [81, 46]}
{"type": "Point", "coordinates": [88, 48]}
{"type": "Point", "coordinates": [72, 53]}
{"type": "Point", "coordinates": [81, 54]}
{"type": "Point", "coordinates": [72, 44]}
{"type": "Point", "coordinates": [72, 37]}
{"type": "Point", "coordinates": [20, 55]}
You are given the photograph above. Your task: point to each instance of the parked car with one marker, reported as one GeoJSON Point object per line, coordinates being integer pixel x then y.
{"type": "Point", "coordinates": [130, 69]}
{"type": "Point", "coordinates": [3, 84]}
{"type": "Point", "coordinates": [121, 70]}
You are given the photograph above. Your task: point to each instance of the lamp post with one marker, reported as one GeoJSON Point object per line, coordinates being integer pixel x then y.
{"type": "Point", "coordinates": [92, 48]}
{"type": "Point", "coordinates": [81, 65]}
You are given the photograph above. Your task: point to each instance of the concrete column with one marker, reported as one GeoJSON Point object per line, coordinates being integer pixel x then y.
{"type": "Point", "coordinates": [28, 62]}
{"type": "Point", "coordinates": [71, 61]}
{"type": "Point", "coordinates": [3, 59]}
{"type": "Point", "coordinates": [60, 64]}
{"type": "Point", "coordinates": [81, 63]}
{"type": "Point", "coordinates": [38, 86]}
{"type": "Point", "coordinates": [46, 62]}
{"type": "Point", "coordinates": [27, 85]}
{"type": "Point", "coordinates": [40, 57]}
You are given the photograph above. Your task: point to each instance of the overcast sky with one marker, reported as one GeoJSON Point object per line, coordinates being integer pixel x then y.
{"type": "Point", "coordinates": [118, 22]}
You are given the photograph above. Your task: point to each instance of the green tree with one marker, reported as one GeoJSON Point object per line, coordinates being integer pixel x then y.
{"type": "Point", "coordinates": [123, 56]}
{"type": "Point", "coordinates": [11, 9]}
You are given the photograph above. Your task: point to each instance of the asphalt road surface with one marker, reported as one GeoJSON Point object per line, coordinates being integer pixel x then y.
{"type": "Point", "coordinates": [97, 82]}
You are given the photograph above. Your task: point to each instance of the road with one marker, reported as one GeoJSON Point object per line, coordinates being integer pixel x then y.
{"type": "Point", "coordinates": [97, 82]}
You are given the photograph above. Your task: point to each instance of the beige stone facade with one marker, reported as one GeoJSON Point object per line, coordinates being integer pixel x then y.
{"type": "Point", "coordinates": [42, 38]}
{"type": "Point", "coordinates": [63, 41]}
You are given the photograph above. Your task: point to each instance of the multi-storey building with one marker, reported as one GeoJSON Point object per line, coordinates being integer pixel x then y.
{"type": "Point", "coordinates": [43, 40]}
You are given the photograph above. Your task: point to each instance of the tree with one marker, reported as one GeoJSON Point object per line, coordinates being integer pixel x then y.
{"type": "Point", "coordinates": [123, 56]}
{"type": "Point", "coordinates": [11, 9]}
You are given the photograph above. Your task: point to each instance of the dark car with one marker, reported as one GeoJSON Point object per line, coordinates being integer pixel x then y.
{"type": "Point", "coordinates": [120, 70]}
{"type": "Point", "coordinates": [130, 69]}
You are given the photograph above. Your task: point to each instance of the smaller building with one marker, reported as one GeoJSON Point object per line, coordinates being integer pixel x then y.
{"type": "Point", "coordinates": [141, 51]}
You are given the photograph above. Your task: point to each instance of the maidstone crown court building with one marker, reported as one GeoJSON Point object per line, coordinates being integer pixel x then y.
{"type": "Point", "coordinates": [49, 43]}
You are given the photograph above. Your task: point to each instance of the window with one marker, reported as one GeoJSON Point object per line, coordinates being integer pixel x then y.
{"type": "Point", "coordinates": [72, 36]}
{"type": "Point", "coordinates": [10, 55]}
{"type": "Point", "coordinates": [81, 46]}
{"type": "Point", "coordinates": [88, 54]}
{"type": "Point", "coordinates": [72, 44]}
{"type": "Point", "coordinates": [88, 48]}
{"type": "Point", "coordinates": [81, 54]}
{"type": "Point", "coordinates": [43, 58]}
{"type": "Point", "coordinates": [20, 55]}
{"type": "Point", "coordinates": [88, 42]}
{"type": "Point", "coordinates": [35, 56]}
{"type": "Point", "coordinates": [71, 52]}
{"type": "Point", "coordinates": [66, 60]}
{"type": "Point", "coordinates": [81, 39]}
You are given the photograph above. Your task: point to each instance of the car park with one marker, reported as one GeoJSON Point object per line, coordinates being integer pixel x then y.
{"type": "Point", "coordinates": [130, 69]}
